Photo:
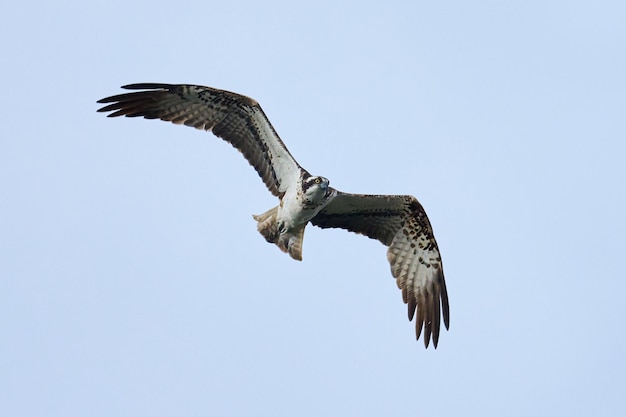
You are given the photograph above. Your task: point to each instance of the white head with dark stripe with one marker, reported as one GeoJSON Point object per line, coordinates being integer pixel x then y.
{"type": "Point", "coordinates": [314, 189]}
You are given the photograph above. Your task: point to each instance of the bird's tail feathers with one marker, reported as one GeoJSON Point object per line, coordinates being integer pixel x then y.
{"type": "Point", "coordinates": [267, 224]}
{"type": "Point", "coordinates": [289, 242]}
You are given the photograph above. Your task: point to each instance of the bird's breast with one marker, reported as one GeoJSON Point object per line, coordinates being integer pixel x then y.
{"type": "Point", "coordinates": [293, 211]}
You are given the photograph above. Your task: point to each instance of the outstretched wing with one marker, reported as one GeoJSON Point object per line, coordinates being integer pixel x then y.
{"type": "Point", "coordinates": [237, 119]}
{"type": "Point", "coordinates": [400, 223]}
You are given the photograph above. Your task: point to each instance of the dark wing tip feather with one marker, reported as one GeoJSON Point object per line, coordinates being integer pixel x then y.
{"type": "Point", "coordinates": [412, 306]}
{"type": "Point", "coordinates": [436, 321]}
{"type": "Point", "coordinates": [126, 97]}
{"type": "Point", "coordinates": [136, 104]}
{"type": "Point", "coordinates": [444, 302]}
{"type": "Point", "coordinates": [149, 86]}
{"type": "Point", "coordinates": [124, 100]}
{"type": "Point", "coordinates": [419, 324]}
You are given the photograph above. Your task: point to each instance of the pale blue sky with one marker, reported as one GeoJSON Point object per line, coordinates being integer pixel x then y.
{"type": "Point", "coordinates": [133, 281]}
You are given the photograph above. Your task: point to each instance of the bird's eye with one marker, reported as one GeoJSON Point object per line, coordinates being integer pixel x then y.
{"type": "Point", "coordinates": [318, 180]}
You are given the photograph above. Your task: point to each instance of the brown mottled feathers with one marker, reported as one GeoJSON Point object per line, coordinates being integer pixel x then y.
{"type": "Point", "coordinates": [235, 118]}
{"type": "Point", "coordinates": [400, 223]}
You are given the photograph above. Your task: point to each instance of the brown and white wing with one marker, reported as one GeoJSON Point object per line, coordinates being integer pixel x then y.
{"type": "Point", "coordinates": [237, 119]}
{"type": "Point", "coordinates": [400, 223]}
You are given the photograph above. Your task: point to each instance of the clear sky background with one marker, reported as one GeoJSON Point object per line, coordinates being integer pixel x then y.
{"type": "Point", "coordinates": [133, 281]}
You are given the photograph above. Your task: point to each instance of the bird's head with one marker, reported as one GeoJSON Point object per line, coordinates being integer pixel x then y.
{"type": "Point", "coordinates": [314, 189]}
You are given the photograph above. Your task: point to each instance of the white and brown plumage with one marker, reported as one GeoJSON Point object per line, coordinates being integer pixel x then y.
{"type": "Point", "coordinates": [398, 221]}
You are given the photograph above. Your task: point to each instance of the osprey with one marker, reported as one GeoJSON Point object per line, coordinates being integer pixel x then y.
{"type": "Point", "coordinates": [398, 221]}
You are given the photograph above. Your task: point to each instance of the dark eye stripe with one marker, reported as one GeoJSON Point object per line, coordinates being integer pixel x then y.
{"type": "Point", "coordinates": [309, 182]}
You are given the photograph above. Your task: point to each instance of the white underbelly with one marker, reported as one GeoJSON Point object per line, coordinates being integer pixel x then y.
{"type": "Point", "coordinates": [292, 214]}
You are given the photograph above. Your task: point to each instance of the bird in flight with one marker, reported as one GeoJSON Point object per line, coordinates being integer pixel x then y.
{"type": "Point", "coordinates": [398, 221]}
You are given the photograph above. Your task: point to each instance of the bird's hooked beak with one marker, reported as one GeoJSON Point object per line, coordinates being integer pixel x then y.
{"type": "Point", "coordinates": [326, 187]}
